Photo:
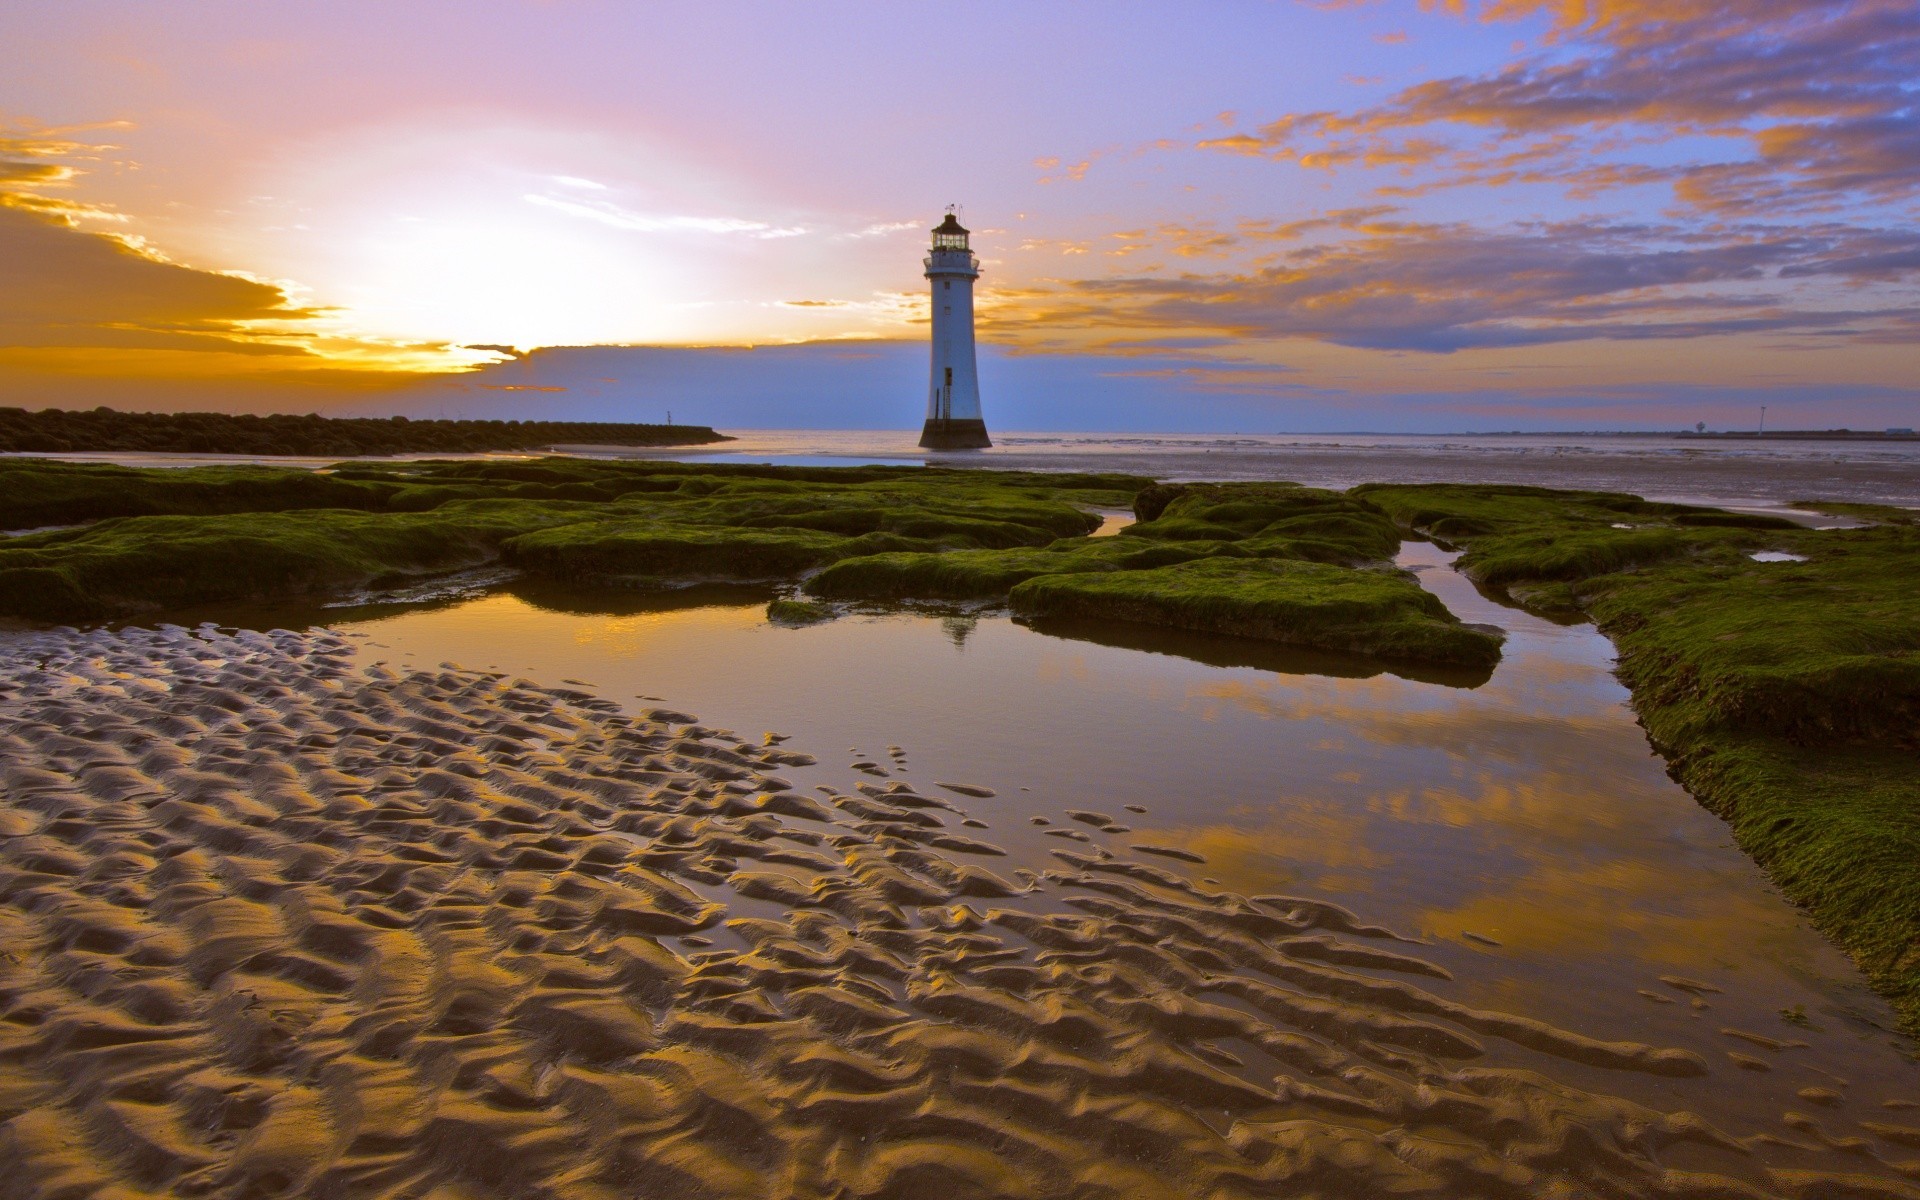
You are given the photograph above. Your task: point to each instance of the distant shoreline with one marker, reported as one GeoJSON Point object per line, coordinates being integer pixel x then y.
{"type": "Point", "coordinates": [105, 430]}
{"type": "Point", "coordinates": [1749, 435]}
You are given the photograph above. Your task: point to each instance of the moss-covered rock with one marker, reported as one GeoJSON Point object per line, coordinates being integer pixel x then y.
{"type": "Point", "coordinates": [1279, 520]}
{"type": "Point", "coordinates": [615, 550]}
{"type": "Point", "coordinates": [991, 574]}
{"type": "Point", "coordinates": [797, 612]}
{"type": "Point", "coordinates": [140, 564]}
{"type": "Point", "coordinates": [578, 521]}
{"type": "Point", "coordinates": [37, 492]}
{"type": "Point", "coordinates": [1384, 613]}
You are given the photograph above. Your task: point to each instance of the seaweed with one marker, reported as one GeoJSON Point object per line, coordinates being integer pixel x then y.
{"type": "Point", "coordinates": [142, 564]}
{"type": "Point", "coordinates": [990, 574]}
{"type": "Point", "coordinates": [794, 612]}
{"type": "Point", "coordinates": [1875, 514]}
{"type": "Point", "coordinates": [1281, 520]}
{"type": "Point", "coordinates": [36, 492]}
{"type": "Point", "coordinates": [228, 533]}
{"type": "Point", "coordinates": [1380, 612]}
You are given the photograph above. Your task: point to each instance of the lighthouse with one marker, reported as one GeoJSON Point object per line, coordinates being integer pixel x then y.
{"type": "Point", "coordinates": [953, 392]}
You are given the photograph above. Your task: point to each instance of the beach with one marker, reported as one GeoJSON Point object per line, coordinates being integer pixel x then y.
{"type": "Point", "coordinates": [498, 885]}
{"type": "Point", "coordinates": [302, 925]}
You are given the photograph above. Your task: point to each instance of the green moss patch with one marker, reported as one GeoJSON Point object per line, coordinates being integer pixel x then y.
{"type": "Point", "coordinates": [612, 551]}
{"type": "Point", "coordinates": [1878, 514]}
{"type": "Point", "coordinates": [141, 564]}
{"type": "Point", "coordinates": [1280, 520]}
{"type": "Point", "coordinates": [797, 612]}
{"type": "Point", "coordinates": [35, 492]}
{"type": "Point", "coordinates": [180, 538]}
{"type": "Point", "coordinates": [1383, 613]}
{"type": "Point", "coordinates": [229, 533]}
{"type": "Point", "coordinates": [991, 574]}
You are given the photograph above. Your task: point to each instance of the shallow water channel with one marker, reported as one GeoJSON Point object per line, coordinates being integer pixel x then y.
{"type": "Point", "coordinates": [1520, 824]}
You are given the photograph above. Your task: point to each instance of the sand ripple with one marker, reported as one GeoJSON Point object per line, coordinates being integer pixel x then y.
{"type": "Point", "coordinates": [276, 924]}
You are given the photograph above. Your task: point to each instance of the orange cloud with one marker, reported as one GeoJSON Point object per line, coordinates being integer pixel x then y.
{"type": "Point", "coordinates": [1421, 286]}
{"type": "Point", "coordinates": [1820, 95]}
{"type": "Point", "coordinates": [75, 300]}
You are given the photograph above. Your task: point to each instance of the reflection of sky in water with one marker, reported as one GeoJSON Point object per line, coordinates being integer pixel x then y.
{"type": "Point", "coordinates": [1529, 810]}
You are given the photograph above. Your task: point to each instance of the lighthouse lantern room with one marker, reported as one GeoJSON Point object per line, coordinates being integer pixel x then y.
{"type": "Point", "coordinates": [953, 399]}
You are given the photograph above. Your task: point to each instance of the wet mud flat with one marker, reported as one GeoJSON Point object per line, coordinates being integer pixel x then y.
{"type": "Point", "coordinates": [1712, 470]}
{"type": "Point", "coordinates": [280, 920]}
{"type": "Point", "coordinates": [1764, 474]}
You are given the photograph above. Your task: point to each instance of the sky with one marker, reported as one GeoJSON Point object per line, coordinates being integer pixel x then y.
{"type": "Point", "coordinates": [1276, 216]}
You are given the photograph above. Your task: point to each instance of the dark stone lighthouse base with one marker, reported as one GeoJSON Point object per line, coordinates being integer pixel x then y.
{"type": "Point", "coordinates": [941, 434]}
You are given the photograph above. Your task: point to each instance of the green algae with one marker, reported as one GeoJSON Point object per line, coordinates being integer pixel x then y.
{"type": "Point", "coordinates": [1453, 512]}
{"type": "Point", "coordinates": [990, 574]}
{"type": "Point", "coordinates": [871, 533]}
{"type": "Point", "coordinates": [1274, 562]}
{"type": "Point", "coordinates": [1279, 520]}
{"type": "Point", "coordinates": [1784, 695]}
{"type": "Point", "coordinates": [796, 612]}
{"type": "Point", "coordinates": [1380, 612]}
{"type": "Point", "coordinates": [867, 533]}
{"type": "Point", "coordinates": [36, 492]}
{"type": "Point", "coordinates": [134, 564]}
{"type": "Point", "coordinates": [209, 535]}
{"type": "Point", "coordinates": [1270, 561]}
{"type": "Point", "coordinates": [1877, 514]}
{"type": "Point", "coordinates": [759, 532]}
{"type": "Point", "coordinates": [644, 550]}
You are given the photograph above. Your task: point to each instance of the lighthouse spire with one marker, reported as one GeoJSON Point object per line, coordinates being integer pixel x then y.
{"type": "Point", "coordinates": [953, 394]}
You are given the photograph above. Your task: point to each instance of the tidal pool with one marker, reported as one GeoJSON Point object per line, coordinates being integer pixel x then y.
{"type": "Point", "coordinates": [1519, 825]}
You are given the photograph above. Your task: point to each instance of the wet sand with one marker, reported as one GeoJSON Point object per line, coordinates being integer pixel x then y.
{"type": "Point", "coordinates": [283, 920]}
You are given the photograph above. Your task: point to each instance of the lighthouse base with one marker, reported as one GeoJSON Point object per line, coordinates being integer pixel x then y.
{"type": "Point", "coordinates": [943, 434]}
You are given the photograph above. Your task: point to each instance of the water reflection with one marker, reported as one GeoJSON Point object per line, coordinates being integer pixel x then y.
{"type": "Point", "coordinates": [1217, 650]}
{"type": "Point", "coordinates": [1522, 825]}
{"type": "Point", "coordinates": [617, 602]}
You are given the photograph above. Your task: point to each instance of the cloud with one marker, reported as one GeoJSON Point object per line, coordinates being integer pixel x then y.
{"type": "Point", "coordinates": [1781, 138]}
{"type": "Point", "coordinates": [74, 299]}
{"type": "Point", "coordinates": [61, 286]}
{"type": "Point", "coordinates": [64, 286]}
{"type": "Point", "coordinates": [1819, 95]}
{"type": "Point", "coordinates": [882, 229]}
{"type": "Point", "coordinates": [1446, 287]}
{"type": "Point", "coordinates": [608, 213]}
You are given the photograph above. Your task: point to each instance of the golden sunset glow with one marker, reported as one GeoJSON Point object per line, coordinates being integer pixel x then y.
{"type": "Point", "coordinates": [1519, 211]}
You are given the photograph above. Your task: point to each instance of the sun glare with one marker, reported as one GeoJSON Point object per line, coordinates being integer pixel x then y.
{"type": "Point", "coordinates": [530, 237]}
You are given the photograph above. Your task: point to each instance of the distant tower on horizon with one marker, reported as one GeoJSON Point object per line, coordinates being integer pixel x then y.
{"type": "Point", "coordinates": [953, 394]}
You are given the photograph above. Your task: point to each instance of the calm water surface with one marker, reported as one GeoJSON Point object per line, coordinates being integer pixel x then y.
{"type": "Point", "coordinates": [1520, 823]}
{"type": "Point", "coordinates": [1735, 471]}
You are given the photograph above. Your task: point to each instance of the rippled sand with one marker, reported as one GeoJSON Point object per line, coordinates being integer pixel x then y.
{"type": "Point", "coordinates": [276, 923]}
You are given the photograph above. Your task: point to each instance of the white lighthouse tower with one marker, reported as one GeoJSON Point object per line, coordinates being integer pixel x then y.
{"type": "Point", "coordinates": [953, 394]}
